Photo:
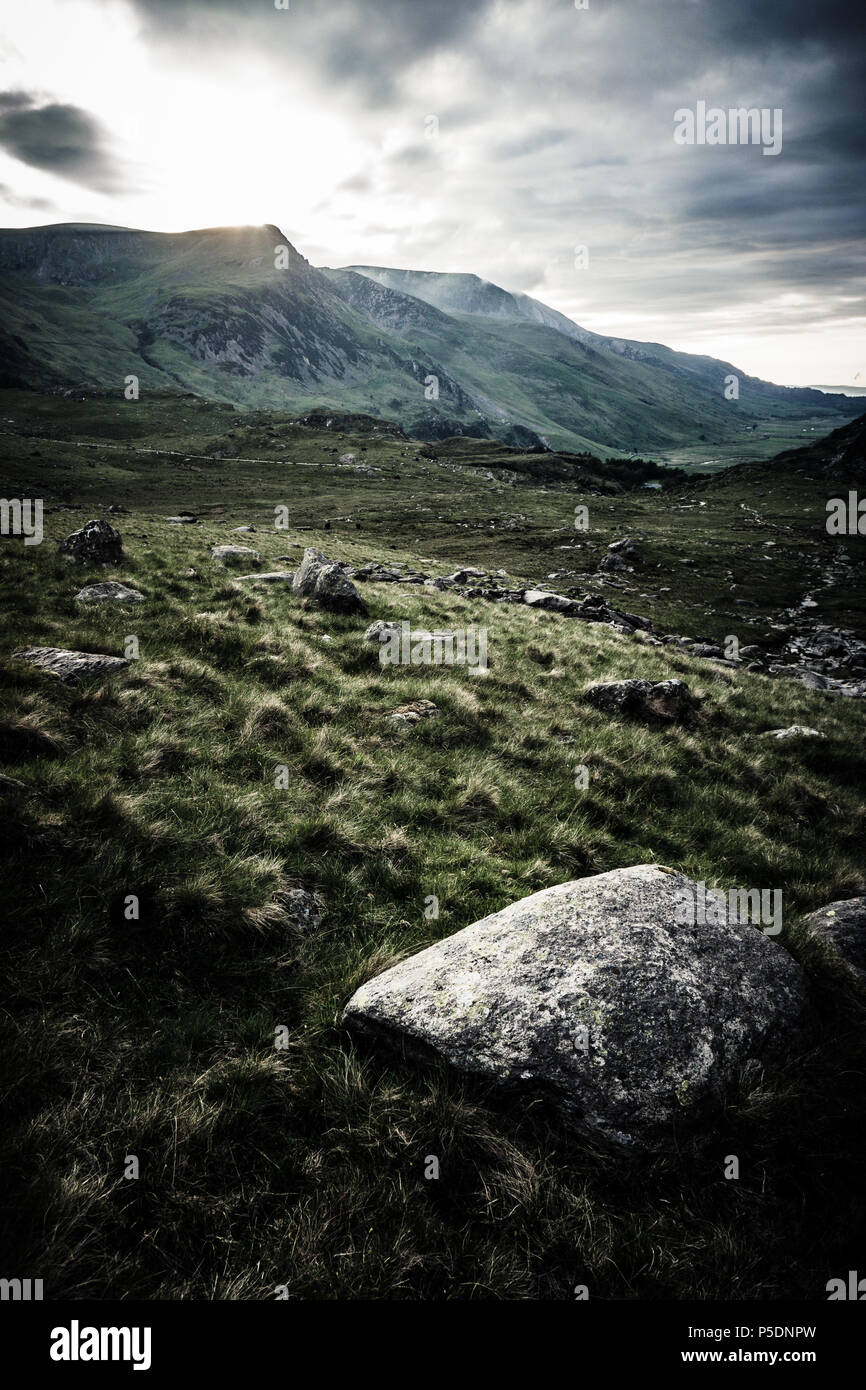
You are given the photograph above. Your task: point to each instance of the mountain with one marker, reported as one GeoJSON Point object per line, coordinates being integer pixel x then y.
{"type": "Point", "coordinates": [238, 315]}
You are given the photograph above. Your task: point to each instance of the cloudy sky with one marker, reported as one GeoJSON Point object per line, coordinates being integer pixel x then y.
{"type": "Point", "coordinates": [492, 136]}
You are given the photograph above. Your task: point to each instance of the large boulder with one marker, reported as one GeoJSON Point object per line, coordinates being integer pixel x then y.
{"type": "Point", "coordinates": [309, 570]}
{"type": "Point", "coordinates": [662, 699]}
{"type": "Point", "coordinates": [337, 593]}
{"type": "Point", "coordinates": [97, 543]}
{"type": "Point", "coordinates": [593, 995]}
{"type": "Point", "coordinates": [70, 667]}
{"type": "Point", "coordinates": [321, 579]}
{"type": "Point", "coordinates": [842, 927]}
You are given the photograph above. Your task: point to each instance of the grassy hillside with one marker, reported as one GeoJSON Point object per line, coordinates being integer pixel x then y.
{"type": "Point", "coordinates": [707, 569]}
{"type": "Point", "coordinates": [304, 1166]}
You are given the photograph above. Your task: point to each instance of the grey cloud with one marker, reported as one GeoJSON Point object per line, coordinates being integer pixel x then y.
{"type": "Point", "coordinates": [15, 200]}
{"type": "Point", "coordinates": [61, 139]}
{"type": "Point", "coordinates": [363, 46]}
{"type": "Point", "coordinates": [529, 144]}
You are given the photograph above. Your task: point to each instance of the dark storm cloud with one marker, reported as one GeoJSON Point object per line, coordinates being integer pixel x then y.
{"type": "Point", "coordinates": [61, 139]}
{"type": "Point", "coordinates": [364, 44]}
{"type": "Point", "coordinates": [15, 101]}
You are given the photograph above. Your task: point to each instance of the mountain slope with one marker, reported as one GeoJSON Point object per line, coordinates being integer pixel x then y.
{"type": "Point", "coordinates": [216, 312]}
{"type": "Point", "coordinates": [468, 295]}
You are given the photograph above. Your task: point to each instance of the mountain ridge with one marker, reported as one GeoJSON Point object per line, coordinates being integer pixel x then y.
{"type": "Point", "coordinates": [211, 311]}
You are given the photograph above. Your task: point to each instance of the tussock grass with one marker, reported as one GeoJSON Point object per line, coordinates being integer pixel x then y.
{"type": "Point", "coordinates": [304, 1166]}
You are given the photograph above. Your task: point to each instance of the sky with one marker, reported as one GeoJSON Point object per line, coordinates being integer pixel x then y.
{"type": "Point", "coordinates": [530, 142]}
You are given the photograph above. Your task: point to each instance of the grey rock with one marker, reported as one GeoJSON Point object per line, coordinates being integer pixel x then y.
{"type": "Point", "coordinates": [593, 995]}
{"type": "Point", "coordinates": [382, 631]}
{"type": "Point", "coordinates": [842, 926]}
{"type": "Point", "coordinates": [185, 519]}
{"type": "Point", "coordinates": [626, 550]}
{"type": "Point", "coordinates": [337, 593]}
{"type": "Point", "coordinates": [70, 667]}
{"type": "Point", "coordinates": [303, 910]}
{"type": "Point", "coordinates": [308, 571]}
{"type": "Point", "coordinates": [414, 711]}
{"type": "Point", "coordinates": [461, 576]}
{"type": "Point", "coordinates": [270, 577]}
{"type": "Point", "coordinates": [667, 699]}
{"type": "Point", "coordinates": [553, 603]}
{"type": "Point", "coordinates": [813, 680]}
{"type": "Point", "coordinates": [325, 581]}
{"type": "Point", "coordinates": [234, 554]}
{"type": "Point", "coordinates": [97, 543]}
{"type": "Point", "coordinates": [614, 564]}
{"type": "Point", "coordinates": [794, 731]}
{"type": "Point", "coordinates": [377, 574]}
{"type": "Point", "coordinates": [706, 649]}
{"type": "Point", "coordinates": [109, 592]}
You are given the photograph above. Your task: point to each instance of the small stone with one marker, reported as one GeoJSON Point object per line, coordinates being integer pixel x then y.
{"type": "Point", "coordinates": [382, 631]}
{"type": "Point", "coordinates": [795, 731]}
{"type": "Point", "coordinates": [109, 592]}
{"type": "Point", "coordinates": [304, 911]}
{"type": "Point", "coordinates": [271, 577]}
{"type": "Point", "coordinates": [414, 711]}
{"type": "Point", "coordinates": [234, 554]}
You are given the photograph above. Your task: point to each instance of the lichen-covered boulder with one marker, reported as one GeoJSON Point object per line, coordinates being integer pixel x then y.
{"type": "Point", "coordinates": [383, 631]}
{"type": "Point", "coordinates": [97, 543]}
{"type": "Point", "coordinates": [600, 996]}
